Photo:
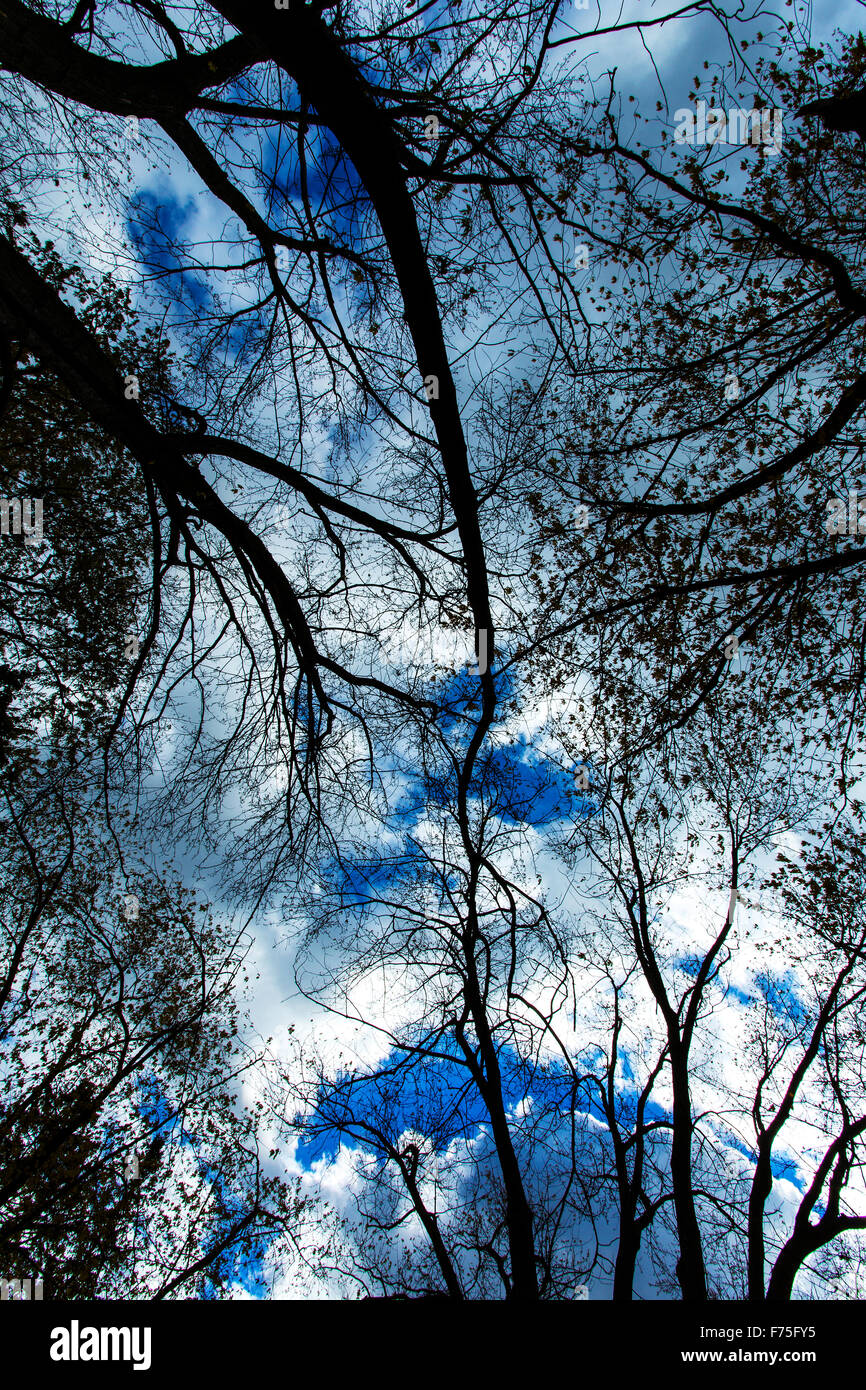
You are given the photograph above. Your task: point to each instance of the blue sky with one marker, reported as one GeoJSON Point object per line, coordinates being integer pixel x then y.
{"type": "Point", "coordinates": [531, 790]}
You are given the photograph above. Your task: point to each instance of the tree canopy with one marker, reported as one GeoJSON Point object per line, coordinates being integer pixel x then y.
{"type": "Point", "coordinates": [449, 476]}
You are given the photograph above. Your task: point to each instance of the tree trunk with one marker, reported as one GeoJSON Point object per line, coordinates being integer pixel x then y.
{"type": "Point", "coordinates": [691, 1271]}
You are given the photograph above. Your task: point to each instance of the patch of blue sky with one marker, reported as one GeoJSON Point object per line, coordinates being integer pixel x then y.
{"type": "Point", "coordinates": [783, 997]}
{"type": "Point", "coordinates": [155, 227]}
{"type": "Point", "coordinates": [780, 994]}
{"type": "Point", "coordinates": [244, 1266]}
{"type": "Point", "coordinates": [338, 198]}
{"type": "Point", "coordinates": [429, 1096]}
{"type": "Point", "coordinates": [524, 787]}
{"type": "Point", "coordinates": [239, 1266]}
{"type": "Point", "coordinates": [544, 790]}
{"type": "Point", "coordinates": [458, 698]}
{"type": "Point", "coordinates": [363, 880]}
{"type": "Point", "coordinates": [781, 1167]}
{"type": "Point", "coordinates": [518, 783]}
{"type": "Point", "coordinates": [741, 995]}
{"type": "Point", "coordinates": [244, 341]}
{"type": "Point", "coordinates": [690, 965]}
{"type": "Point", "coordinates": [412, 802]}
{"type": "Point", "coordinates": [405, 1092]}
{"type": "Point", "coordinates": [154, 1106]}
{"type": "Point", "coordinates": [531, 789]}
{"type": "Point", "coordinates": [626, 1066]}
{"type": "Point", "coordinates": [627, 1106]}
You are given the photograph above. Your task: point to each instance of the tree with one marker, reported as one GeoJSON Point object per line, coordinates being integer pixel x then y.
{"type": "Point", "coordinates": [822, 896]}
{"type": "Point", "coordinates": [128, 1168]}
{"type": "Point", "coordinates": [326, 469]}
